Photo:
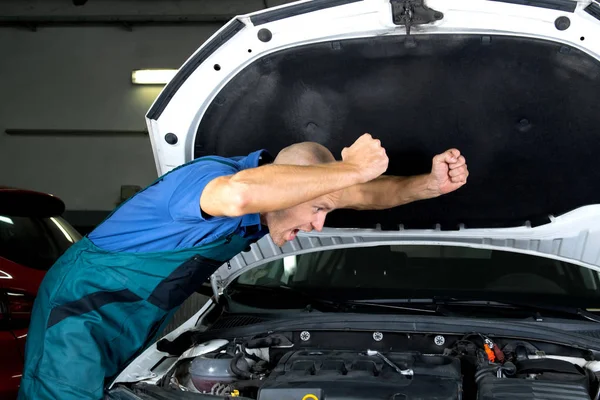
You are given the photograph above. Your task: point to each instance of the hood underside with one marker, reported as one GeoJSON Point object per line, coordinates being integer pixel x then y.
{"type": "Point", "coordinates": [523, 111]}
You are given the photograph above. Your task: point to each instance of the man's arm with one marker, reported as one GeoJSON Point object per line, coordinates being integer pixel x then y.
{"type": "Point", "coordinates": [385, 192]}
{"type": "Point", "coordinates": [276, 187]}
{"type": "Point", "coordinates": [448, 173]}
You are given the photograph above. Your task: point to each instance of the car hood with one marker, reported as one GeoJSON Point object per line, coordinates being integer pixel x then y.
{"type": "Point", "coordinates": [513, 86]}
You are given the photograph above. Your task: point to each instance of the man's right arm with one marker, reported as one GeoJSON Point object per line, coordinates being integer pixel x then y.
{"type": "Point", "coordinates": [276, 187]}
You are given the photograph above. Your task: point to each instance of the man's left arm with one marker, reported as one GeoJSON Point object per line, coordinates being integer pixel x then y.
{"type": "Point", "coordinates": [449, 172]}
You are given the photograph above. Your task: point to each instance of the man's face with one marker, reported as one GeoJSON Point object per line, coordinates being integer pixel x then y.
{"type": "Point", "coordinates": [284, 225]}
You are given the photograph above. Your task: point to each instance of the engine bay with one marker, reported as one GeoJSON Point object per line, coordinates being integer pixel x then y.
{"type": "Point", "coordinates": [334, 374]}
{"type": "Point", "coordinates": [331, 365]}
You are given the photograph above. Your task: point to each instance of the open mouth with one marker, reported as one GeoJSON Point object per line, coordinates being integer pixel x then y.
{"type": "Point", "coordinates": [292, 235]}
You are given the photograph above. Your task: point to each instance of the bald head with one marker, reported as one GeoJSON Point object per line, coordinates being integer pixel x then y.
{"type": "Point", "coordinates": [305, 153]}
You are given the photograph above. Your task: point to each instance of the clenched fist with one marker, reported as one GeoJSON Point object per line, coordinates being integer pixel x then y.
{"type": "Point", "coordinates": [448, 172]}
{"type": "Point", "coordinates": [368, 156]}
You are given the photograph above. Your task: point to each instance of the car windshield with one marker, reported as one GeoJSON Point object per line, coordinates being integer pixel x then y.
{"type": "Point", "coordinates": [35, 242]}
{"type": "Point", "coordinates": [425, 271]}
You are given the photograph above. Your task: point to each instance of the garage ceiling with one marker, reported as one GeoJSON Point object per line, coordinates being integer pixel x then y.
{"type": "Point", "coordinates": [30, 13]}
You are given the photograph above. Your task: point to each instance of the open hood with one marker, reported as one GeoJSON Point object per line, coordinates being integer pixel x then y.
{"type": "Point", "coordinates": [573, 237]}
{"type": "Point", "coordinates": [513, 86]}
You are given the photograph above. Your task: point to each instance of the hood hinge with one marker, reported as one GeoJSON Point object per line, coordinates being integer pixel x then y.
{"type": "Point", "coordinates": [413, 12]}
{"type": "Point", "coordinates": [216, 284]}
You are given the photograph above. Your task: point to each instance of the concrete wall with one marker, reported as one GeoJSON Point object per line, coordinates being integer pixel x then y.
{"type": "Point", "coordinates": [79, 78]}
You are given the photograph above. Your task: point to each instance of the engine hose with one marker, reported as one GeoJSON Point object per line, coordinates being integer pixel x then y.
{"type": "Point", "coordinates": [508, 369]}
{"type": "Point", "coordinates": [240, 372]}
{"type": "Point", "coordinates": [485, 372]}
{"type": "Point", "coordinates": [511, 347]}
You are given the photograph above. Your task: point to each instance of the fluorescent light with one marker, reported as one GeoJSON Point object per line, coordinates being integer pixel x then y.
{"type": "Point", "coordinates": [152, 76]}
{"type": "Point", "coordinates": [69, 238]}
{"type": "Point", "coordinates": [6, 220]}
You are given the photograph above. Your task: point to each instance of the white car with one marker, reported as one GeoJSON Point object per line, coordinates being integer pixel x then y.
{"type": "Point", "coordinates": [491, 292]}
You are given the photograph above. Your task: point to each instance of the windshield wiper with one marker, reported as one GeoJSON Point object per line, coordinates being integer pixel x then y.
{"type": "Point", "coordinates": [311, 301]}
{"type": "Point", "coordinates": [438, 305]}
{"type": "Point", "coordinates": [536, 308]}
{"type": "Point", "coordinates": [545, 308]}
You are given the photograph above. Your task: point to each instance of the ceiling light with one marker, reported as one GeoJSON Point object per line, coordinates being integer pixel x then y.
{"type": "Point", "coordinates": [152, 76]}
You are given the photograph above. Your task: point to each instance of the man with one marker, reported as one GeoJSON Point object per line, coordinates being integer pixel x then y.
{"type": "Point", "coordinates": [108, 296]}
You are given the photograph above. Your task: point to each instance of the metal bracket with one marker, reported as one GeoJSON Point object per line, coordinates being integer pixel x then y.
{"type": "Point", "coordinates": [405, 372]}
{"type": "Point", "coordinates": [216, 282]}
{"type": "Point", "coordinates": [413, 12]}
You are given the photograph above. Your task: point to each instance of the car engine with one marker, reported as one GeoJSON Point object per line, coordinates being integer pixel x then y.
{"type": "Point", "coordinates": [284, 367]}
{"type": "Point", "coordinates": [338, 375]}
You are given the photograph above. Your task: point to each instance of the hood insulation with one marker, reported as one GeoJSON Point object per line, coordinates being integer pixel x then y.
{"type": "Point", "coordinates": [523, 111]}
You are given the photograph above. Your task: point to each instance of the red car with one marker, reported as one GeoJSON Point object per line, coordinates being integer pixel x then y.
{"type": "Point", "coordinates": [32, 237]}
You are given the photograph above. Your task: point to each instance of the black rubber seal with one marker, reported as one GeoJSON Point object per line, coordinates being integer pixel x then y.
{"type": "Point", "coordinates": [562, 23]}
{"type": "Point", "coordinates": [559, 5]}
{"type": "Point", "coordinates": [264, 35]}
{"type": "Point", "coordinates": [171, 138]}
{"type": "Point", "coordinates": [297, 9]}
{"type": "Point", "coordinates": [594, 10]}
{"type": "Point", "coordinates": [89, 303]}
{"type": "Point", "coordinates": [188, 69]}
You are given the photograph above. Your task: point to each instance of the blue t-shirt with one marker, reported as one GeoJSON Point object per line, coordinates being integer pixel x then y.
{"type": "Point", "coordinates": [167, 216]}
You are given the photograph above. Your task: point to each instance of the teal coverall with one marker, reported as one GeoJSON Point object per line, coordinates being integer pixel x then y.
{"type": "Point", "coordinates": [111, 293]}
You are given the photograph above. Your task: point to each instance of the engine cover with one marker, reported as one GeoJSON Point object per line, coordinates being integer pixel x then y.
{"type": "Point", "coordinates": [543, 378]}
{"type": "Point", "coordinates": [529, 389]}
{"type": "Point", "coordinates": [337, 375]}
